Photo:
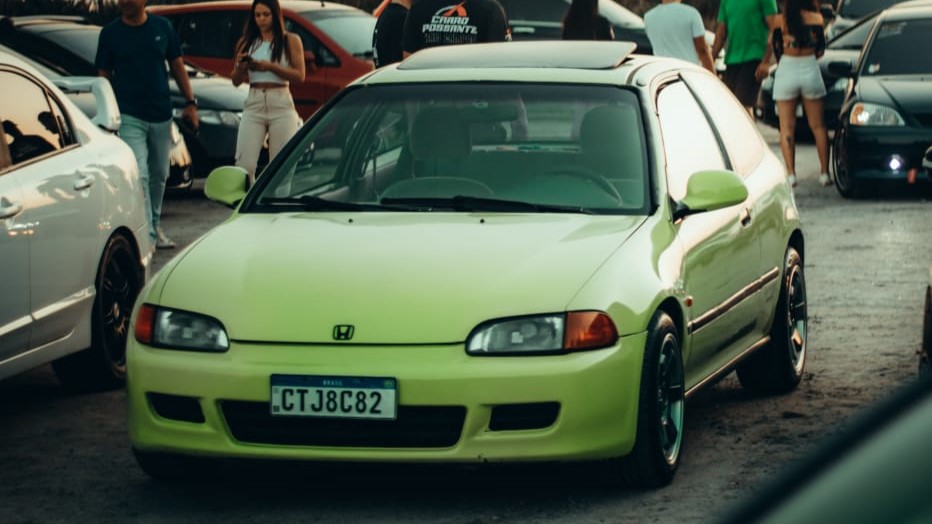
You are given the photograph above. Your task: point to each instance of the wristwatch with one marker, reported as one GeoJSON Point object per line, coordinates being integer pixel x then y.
{"type": "Point", "coordinates": [191, 102]}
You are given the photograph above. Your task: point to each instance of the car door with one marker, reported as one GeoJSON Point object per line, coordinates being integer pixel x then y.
{"type": "Point", "coordinates": [63, 188]}
{"type": "Point", "coordinates": [721, 254]}
{"type": "Point", "coordinates": [15, 321]}
{"type": "Point", "coordinates": [751, 159]}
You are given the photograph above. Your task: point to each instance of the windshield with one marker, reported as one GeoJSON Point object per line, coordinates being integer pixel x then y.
{"type": "Point", "coordinates": [891, 51]}
{"type": "Point", "coordinates": [456, 147]}
{"type": "Point", "coordinates": [352, 30]}
{"type": "Point", "coordinates": [82, 42]}
{"type": "Point", "coordinates": [857, 8]}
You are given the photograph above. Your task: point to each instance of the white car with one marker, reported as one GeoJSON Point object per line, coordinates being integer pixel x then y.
{"type": "Point", "coordinates": [73, 230]}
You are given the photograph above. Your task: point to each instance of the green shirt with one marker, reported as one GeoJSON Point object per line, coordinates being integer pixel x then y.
{"type": "Point", "coordinates": [747, 29]}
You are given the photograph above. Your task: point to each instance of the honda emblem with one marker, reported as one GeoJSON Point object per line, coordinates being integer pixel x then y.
{"type": "Point", "coordinates": [343, 332]}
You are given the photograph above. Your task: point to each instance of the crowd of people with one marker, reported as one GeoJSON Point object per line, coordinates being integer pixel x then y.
{"type": "Point", "coordinates": [134, 49]}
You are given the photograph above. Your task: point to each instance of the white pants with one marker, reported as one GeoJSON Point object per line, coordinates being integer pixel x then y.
{"type": "Point", "coordinates": [798, 76]}
{"type": "Point", "coordinates": [267, 111]}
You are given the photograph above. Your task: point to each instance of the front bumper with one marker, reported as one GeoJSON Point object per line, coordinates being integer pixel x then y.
{"type": "Point", "coordinates": [880, 153]}
{"type": "Point", "coordinates": [596, 392]}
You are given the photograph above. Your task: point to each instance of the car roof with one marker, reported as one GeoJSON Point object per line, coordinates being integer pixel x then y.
{"type": "Point", "coordinates": [560, 61]}
{"type": "Point", "coordinates": [910, 9]}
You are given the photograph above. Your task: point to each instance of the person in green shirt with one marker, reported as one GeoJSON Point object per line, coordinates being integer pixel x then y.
{"type": "Point", "coordinates": [744, 28]}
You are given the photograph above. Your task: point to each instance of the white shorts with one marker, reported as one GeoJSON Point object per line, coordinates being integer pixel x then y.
{"type": "Point", "coordinates": [798, 75]}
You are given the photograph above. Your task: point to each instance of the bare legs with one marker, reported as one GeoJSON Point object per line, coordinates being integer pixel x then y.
{"type": "Point", "coordinates": [814, 114]}
{"type": "Point", "coordinates": [786, 110]}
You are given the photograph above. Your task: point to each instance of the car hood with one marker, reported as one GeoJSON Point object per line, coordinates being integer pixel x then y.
{"type": "Point", "coordinates": [214, 93]}
{"type": "Point", "coordinates": [908, 93]}
{"type": "Point", "coordinates": [399, 278]}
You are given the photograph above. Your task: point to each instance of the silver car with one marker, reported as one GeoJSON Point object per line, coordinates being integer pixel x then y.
{"type": "Point", "coordinates": [73, 230]}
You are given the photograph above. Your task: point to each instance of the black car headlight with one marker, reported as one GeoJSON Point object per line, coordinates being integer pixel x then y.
{"type": "Point", "coordinates": [543, 334]}
{"type": "Point", "coordinates": [177, 329]}
{"type": "Point", "coordinates": [867, 114]}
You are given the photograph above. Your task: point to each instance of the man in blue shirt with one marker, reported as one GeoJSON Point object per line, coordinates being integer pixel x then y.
{"type": "Point", "coordinates": [132, 52]}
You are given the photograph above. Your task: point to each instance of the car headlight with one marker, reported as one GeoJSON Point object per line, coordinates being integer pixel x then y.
{"type": "Point", "coordinates": [867, 114]}
{"type": "Point", "coordinates": [177, 329]}
{"type": "Point", "coordinates": [543, 334]}
{"type": "Point", "coordinates": [219, 117]}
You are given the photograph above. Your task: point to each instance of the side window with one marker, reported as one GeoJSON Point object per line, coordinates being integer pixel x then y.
{"type": "Point", "coordinates": [210, 34]}
{"type": "Point", "coordinates": [30, 126]}
{"type": "Point", "coordinates": [322, 56]}
{"type": "Point", "coordinates": [688, 142]}
{"type": "Point", "coordinates": [736, 129]}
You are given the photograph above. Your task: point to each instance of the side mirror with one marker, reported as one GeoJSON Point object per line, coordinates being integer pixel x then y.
{"type": "Point", "coordinates": [711, 190]}
{"type": "Point", "coordinates": [828, 12]}
{"type": "Point", "coordinates": [108, 112]}
{"type": "Point", "coordinates": [842, 68]}
{"type": "Point", "coordinates": [226, 185]}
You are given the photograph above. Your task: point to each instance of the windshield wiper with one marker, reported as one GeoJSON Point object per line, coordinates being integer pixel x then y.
{"type": "Point", "coordinates": [468, 203]}
{"type": "Point", "coordinates": [315, 203]}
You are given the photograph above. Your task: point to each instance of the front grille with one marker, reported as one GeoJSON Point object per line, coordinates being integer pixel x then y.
{"type": "Point", "coordinates": [415, 427]}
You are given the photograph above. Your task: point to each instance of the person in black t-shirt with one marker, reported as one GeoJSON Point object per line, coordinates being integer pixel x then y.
{"type": "Point", "coordinates": [444, 22]}
{"type": "Point", "coordinates": [389, 30]}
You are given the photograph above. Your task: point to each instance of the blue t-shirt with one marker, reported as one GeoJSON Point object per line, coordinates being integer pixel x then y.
{"type": "Point", "coordinates": [136, 57]}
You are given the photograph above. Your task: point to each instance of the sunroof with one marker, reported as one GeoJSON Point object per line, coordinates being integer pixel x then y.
{"type": "Point", "coordinates": [565, 54]}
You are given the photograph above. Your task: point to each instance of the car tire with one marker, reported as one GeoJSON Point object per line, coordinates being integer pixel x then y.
{"type": "Point", "coordinates": [167, 467]}
{"type": "Point", "coordinates": [847, 186]}
{"type": "Point", "coordinates": [778, 367]}
{"type": "Point", "coordinates": [661, 409]}
{"type": "Point", "coordinates": [103, 365]}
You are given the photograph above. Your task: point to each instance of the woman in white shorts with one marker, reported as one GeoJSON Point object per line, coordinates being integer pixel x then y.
{"type": "Point", "coordinates": [798, 41]}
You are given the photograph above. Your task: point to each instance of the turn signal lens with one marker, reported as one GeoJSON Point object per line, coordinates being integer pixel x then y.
{"type": "Point", "coordinates": [145, 322]}
{"type": "Point", "coordinates": [588, 330]}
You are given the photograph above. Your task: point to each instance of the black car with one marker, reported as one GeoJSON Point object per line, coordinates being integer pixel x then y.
{"type": "Point", "coordinates": [846, 47]}
{"type": "Point", "coordinates": [848, 12]}
{"type": "Point", "coordinates": [543, 20]}
{"type": "Point", "coordinates": [886, 119]}
{"type": "Point", "coordinates": [70, 45]}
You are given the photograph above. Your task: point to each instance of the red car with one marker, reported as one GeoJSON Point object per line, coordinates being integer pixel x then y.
{"type": "Point", "coordinates": [337, 41]}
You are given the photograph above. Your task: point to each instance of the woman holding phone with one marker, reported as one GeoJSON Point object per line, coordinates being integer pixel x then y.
{"type": "Point", "coordinates": [268, 58]}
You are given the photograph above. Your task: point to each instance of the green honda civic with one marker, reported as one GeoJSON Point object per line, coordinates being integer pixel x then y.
{"type": "Point", "coordinates": [512, 252]}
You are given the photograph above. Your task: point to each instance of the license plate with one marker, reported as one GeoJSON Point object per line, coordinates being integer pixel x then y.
{"type": "Point", "coordinates": [334, 397]}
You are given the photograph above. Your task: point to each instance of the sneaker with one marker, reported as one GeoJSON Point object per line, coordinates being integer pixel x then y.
{"type": "Point", "coordinates": [791, 179]}
{"type": "Point", "coordinates": [162, 241]}
{"type": "Point", "coordinates": [825, 180]}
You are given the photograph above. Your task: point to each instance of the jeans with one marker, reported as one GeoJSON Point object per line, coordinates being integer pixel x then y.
{"type": "Point", "coordinates": [267, 110]}
{"type": "Point", "coordinates": [151, 144]}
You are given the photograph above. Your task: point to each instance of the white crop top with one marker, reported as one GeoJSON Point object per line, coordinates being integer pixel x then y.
{"type": "Point", "coordinates": [263, 51]}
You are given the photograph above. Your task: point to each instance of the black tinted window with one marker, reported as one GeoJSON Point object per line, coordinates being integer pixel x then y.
{"type": "Point", "coordinates": [893, 50]}
{"type": "Point", "coordinates": [544, 10]}
{"type": "Point", "coordinates": [30, 126]}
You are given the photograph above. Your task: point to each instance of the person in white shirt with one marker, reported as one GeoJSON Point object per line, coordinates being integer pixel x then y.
{"type": "Point", "coordinates": [676, 30]}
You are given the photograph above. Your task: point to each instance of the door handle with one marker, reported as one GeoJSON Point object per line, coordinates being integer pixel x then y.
{"type": "Point", "coordinates": [745, 217]}
{"type": "Point", "coordinates": [9, 209]}
{"type": "Point", "coordinates": [82, 181]}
